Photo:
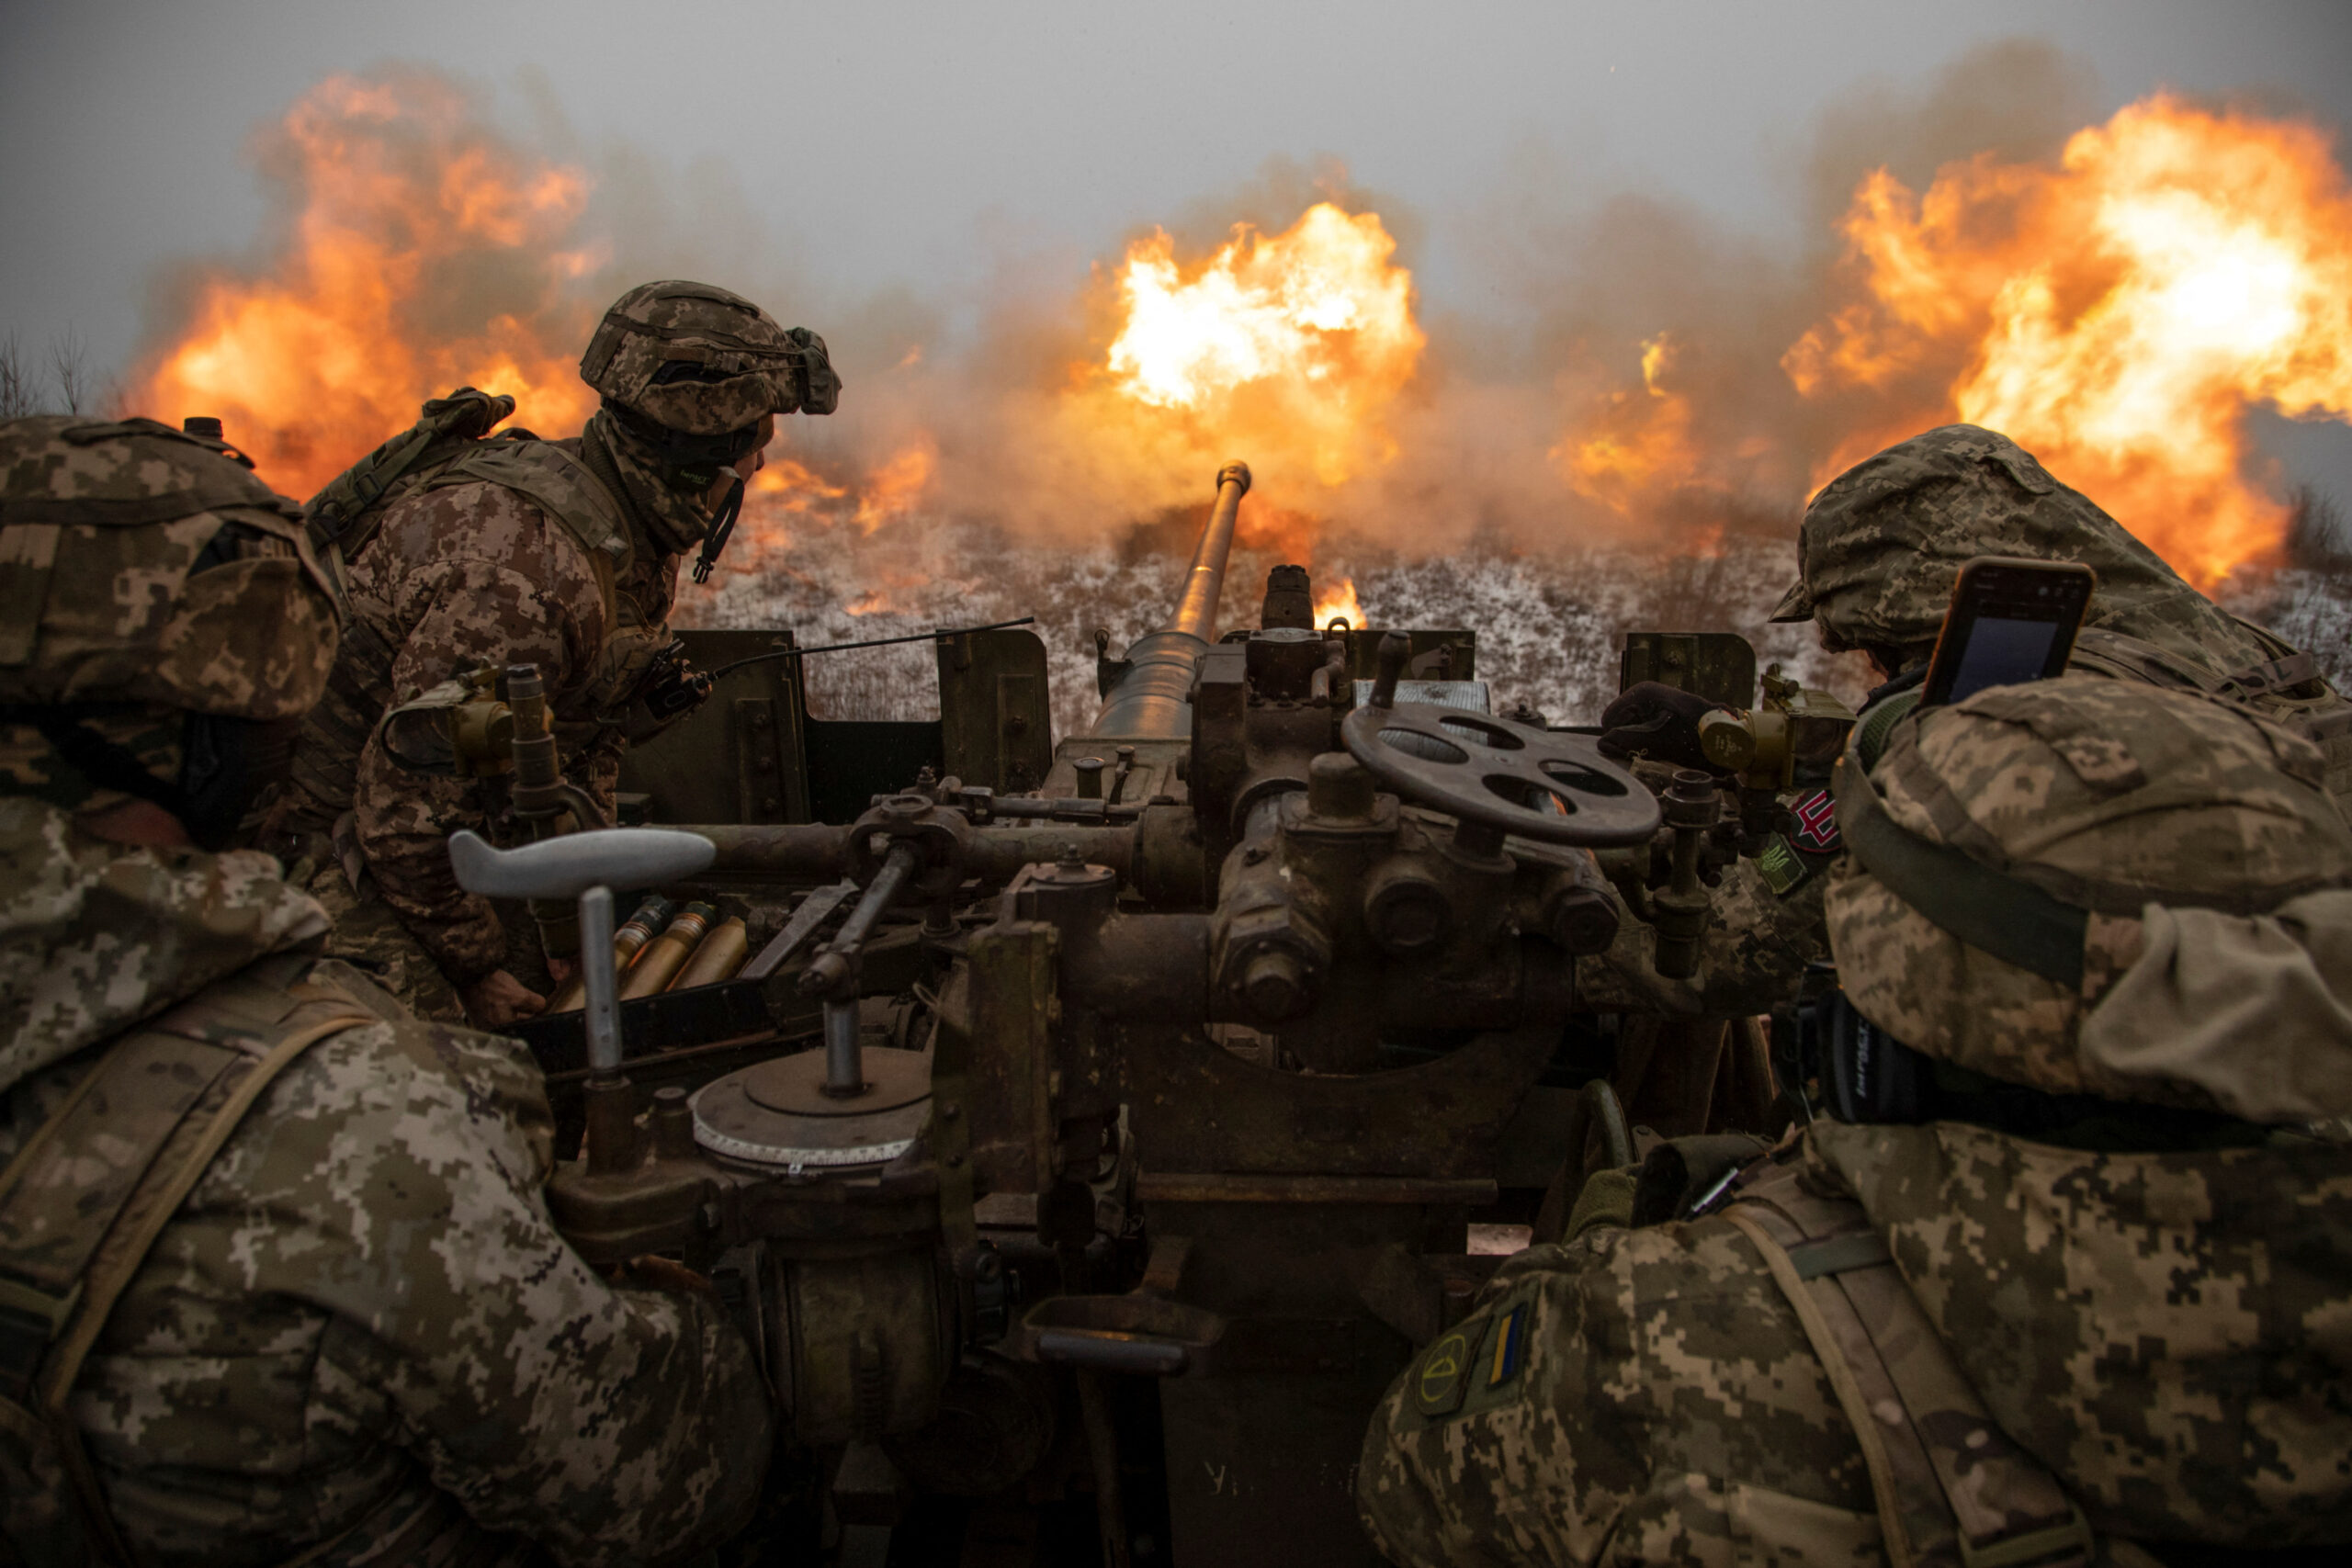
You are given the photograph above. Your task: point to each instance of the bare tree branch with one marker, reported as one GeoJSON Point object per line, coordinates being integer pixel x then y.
{"type": "Point", "coordinates": [69, 365]}
{"type": "Point", "coordinates": [17, 396]}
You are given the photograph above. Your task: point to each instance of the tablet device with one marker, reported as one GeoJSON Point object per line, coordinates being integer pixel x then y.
{"type": "Point", "coordinates": [2011, 621]}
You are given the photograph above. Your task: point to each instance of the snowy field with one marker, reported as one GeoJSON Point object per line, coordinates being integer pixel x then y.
{"type": "Point", "coordinates": [1549, 626]}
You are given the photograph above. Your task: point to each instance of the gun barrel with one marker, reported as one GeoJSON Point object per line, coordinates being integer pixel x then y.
{"type": "Point", "coordinates": [1150, 702]}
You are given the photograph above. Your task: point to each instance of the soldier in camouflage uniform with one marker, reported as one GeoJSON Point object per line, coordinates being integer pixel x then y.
{"type": "Point", "coordinates": [1880, 549]}
{"type": "Point", "coordinates": [276, 1273]}
{"type": "Point", "coordinates": [564, 554]}
{"type": "Point", "coordinates": [2072, 1269]}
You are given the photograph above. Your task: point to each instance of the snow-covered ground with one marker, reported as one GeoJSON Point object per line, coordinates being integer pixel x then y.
{"type": "Point", "coordinates": [1548, 626]}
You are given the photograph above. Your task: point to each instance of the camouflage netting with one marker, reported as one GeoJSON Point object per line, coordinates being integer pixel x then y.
{"type": "Point", "coordinates": [2215, 873]}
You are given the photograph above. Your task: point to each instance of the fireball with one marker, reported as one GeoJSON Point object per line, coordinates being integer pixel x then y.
{"type": "Point", "coordinates": [372, 304]}
{"type": "Point", "coordinates": [2118, 314]}
{"type": "Point", "coordinates": [1289, 349]}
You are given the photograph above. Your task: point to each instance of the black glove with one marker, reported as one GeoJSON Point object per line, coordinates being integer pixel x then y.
{"type": "Point", "coordinates": [1659, 722]}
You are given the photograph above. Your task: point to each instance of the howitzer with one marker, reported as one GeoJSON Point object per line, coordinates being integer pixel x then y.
{"type": "Point", "coordinates": [1153, 1077]}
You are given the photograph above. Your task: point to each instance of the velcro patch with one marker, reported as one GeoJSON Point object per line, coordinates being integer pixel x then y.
{"type": "Point", "coordinates": [1817, 817]}
{"type": "Point", "coordinates": [1510, 1351]}
{"type": "Point", "coordinates": [1442, 1377]}
{"type": "Point", "coordinates": [1781, 867]}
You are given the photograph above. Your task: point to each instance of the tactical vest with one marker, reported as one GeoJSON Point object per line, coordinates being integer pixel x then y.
{"type": "Point", "coordinates": [85, 1199]}
{"type": "Point", "coordinates": [568, 490]}
{"type": "Point", "coordinates": [2286, 689]}
{"type": "Point", "coordinates": [1953, 1490]}
{"type": "Point", "coordinates": [343, 516]}
{"type": "Point", "coordinates": [326, 763]}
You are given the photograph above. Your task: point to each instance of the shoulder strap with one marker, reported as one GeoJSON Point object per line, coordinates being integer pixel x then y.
{"type": "Point", "coordinates": [2013, 920]}
{"type": "Point", "coordinates": [83, 1202]}
{"type": "Point", "coordinates": [1953, 1490]}
{"type": "Point", "coordinates": [566, 489]}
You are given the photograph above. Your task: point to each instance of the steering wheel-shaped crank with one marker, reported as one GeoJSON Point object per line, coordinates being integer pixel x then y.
{"type": "Point", "coordinates": [1496, 776]}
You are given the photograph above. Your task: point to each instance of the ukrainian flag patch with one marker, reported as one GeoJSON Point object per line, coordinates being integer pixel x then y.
{"type": "Point", "coordinates": [1510, 1345]}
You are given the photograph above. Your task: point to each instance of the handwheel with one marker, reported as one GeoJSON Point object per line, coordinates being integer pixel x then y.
{"type": "Point", "coordinates": [1500, 777]}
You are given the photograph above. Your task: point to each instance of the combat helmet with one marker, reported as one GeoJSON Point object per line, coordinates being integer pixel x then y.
{"type": "Point", "coordinates": [2094, 887]}
{"type": "Point", "coordinates": [163, 622]}
{"type": "Point", "coordinates": [687, 371]}
{"type": "Point", "coordinates": [1882, 543]}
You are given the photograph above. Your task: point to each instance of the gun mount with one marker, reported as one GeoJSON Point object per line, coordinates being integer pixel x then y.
{"type": "Point", "coordinates": [1143, 1091]}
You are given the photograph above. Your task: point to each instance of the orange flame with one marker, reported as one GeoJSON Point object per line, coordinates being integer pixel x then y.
{"type": "Point", "coordinates": [1338, 601]}
{"type": "Point", "coordinates": [2116, 315]}
{"type": "Point", "coordinates": [404, 200]}
{"type": "Point", "coordinates": [1643, 440]}
{"type": "Point", "coordinates": [1289, 349]}
{"type": "Point", "coordinates": [891, 490]}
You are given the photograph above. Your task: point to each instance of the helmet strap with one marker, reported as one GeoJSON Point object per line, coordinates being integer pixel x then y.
{"type": "Point", "coordinates": [720, 526]}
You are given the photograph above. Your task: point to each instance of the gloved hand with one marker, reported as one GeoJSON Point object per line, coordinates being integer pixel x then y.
{"type": "Point", "coordinates": [1659, 722]}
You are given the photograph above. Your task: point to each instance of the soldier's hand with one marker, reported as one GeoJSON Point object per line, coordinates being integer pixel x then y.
{"type": "Point", "coordinates": [1659, 722]}
{"type": "Point", "coordinates": [498, 999]}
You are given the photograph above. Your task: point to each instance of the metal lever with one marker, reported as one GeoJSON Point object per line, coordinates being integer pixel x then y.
{"type": "Point", "coordinates": [587, 867]}
{"type": "Point", "coordinates": [1395, 647]}
{"type": "Point", "coordinates": [834, 974]}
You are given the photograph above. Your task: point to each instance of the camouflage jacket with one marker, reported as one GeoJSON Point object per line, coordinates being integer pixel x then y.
{"type": "Point", "coordinates": [2167, 1334]}
{"type": "Point", "coordinates": [461, 576]}
{"type": "Point", "coordinates": [361, 1320]}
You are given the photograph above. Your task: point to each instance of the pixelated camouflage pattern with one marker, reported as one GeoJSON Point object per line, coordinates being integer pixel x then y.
{"type": "Point", "coordinates": [671, 514]}
{"type": "Point", "coordinates": [367, 935]}
{"type": "Point", "coordinates": [347, 507]}
{"type": "Point", "coordinates": [463, 575]}
{"type": "Point", "coordinates": [362, 1314]}
{"type": "Point", "coordinates": [1668, 1409]}
{"type": "Point", "coordinates": [99, 937]}
{"type": "Point", "coordinates": [762, 368]}
{"type": "Point", "coordinates": [2107, 795]}
{"type": "Point", "coordinates": [100, 528]}
{"type": "Point", "coordinates": [1882, 543]}
{"type": "Point", "coordinates": [31, 766]}
{"type": "Point", "coordinates": [2169, 1333]}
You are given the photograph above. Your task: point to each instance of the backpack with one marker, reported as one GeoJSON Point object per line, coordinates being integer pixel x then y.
{"type": "Point", "coordinates": [343, 516]}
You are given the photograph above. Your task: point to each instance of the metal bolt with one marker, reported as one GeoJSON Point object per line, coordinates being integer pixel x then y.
{"type": "Point", "coordinates": [1274, 984]}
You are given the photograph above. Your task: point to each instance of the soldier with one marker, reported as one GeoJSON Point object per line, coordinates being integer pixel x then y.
{"type": "Point", "coordinates": [1880, 548]}
{"type": "Point", "coordinates": [2056, 1266]}
{"type": "Point", "coordinates": [276, 1280]}
{"type": "Point", "coordinates": [564, 554]}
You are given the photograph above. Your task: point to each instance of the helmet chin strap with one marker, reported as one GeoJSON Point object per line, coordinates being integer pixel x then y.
{"type": "Point", "coordinates": [720, 526]}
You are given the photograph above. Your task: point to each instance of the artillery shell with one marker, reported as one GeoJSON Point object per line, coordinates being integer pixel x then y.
{"type": "Point", "coordinates": [722, 954]}
{"type": "Point", "coordinates": [662, 957]}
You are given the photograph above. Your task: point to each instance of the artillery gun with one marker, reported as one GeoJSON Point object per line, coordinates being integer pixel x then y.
{"type": "Point", "coordinates": [1110, 1117]}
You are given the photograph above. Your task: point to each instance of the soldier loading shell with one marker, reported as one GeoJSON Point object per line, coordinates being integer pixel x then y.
{"type": "Point", "coordinates": [277, 1280]}
{"type": "Point", "coordinates": [561, 554]}
{"type": "Point", "coordinates": [2059, 1276]}
{"type": "Point", "coordinates": [1880, 548]}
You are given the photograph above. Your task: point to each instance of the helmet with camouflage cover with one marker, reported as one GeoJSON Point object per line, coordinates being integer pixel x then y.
{"type": "Point", "coordinates": [697, 360]}
{"type": "Point", "coordinates": [2095, 886]}
{"type": "Point", "coordinates": [162, 619]}
{"type": "Point", "coordinates": [688, 372]}
{"type": "Point", "coordinates": [1882, 543]}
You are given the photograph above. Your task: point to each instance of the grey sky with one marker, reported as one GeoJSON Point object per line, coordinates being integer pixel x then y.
{"type": "Point", "coordinates": [917, 144]}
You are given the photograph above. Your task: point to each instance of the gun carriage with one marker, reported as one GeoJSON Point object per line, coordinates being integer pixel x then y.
{"type": "Point", "coordinates": [1110, 1117]}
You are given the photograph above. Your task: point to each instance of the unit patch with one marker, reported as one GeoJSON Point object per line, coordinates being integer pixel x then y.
{"type": "Point", "coordinates": [1816, 816]}
{"type": "Point", "coordinates": [1781, 866]}
{"type": "Point", "coordinates": [1441, 1382]}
